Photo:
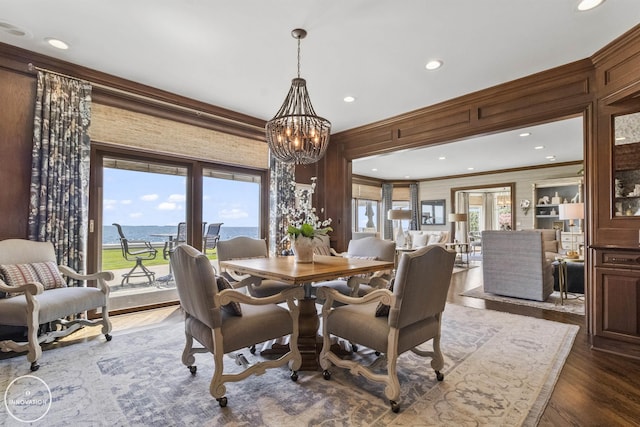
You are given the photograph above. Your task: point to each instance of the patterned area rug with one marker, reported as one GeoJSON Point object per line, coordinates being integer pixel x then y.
{"type": "Point", "coordinates": [574, 304]}
{"type": "Point", "coordinates": [500, 369]}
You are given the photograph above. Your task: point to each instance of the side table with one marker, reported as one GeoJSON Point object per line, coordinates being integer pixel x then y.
{"type": "Point", "coordinates": [563, 272]}
{"type": "Point", "coordinates": [462, 249]}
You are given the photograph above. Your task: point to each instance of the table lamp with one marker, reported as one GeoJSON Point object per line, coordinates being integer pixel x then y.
{"type": "Point", "coordinates": [571, 212]}
{"type": "Point", "coordinates": [399, 215]}
{"type": "Point", "coordinates": [457, 217]}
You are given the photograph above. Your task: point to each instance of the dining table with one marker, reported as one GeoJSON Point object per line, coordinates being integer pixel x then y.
{"type": "Point", "coordinates": [286, 269]}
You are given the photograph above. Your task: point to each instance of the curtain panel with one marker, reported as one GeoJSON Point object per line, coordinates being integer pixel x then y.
{"type": "Point", "coordinates": [415, 207]}
{"type": "Point", "coordinates": [387, 204]}
{"type": "Point", "coordinates": [58, 208]}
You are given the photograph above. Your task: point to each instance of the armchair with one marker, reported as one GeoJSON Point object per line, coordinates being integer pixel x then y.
{"type": "Point", "coordinates": [33, 292]}
{"type": "Point", "coordinates": [247, 247]}
{"type": "Point", "coordinates": [222, 330]}
{"type": "Point", "coordinates": [413, 317]}
{"type": "Point", "coordinates": [366, 247]}
{"type": "Point", "coordinates": [515, 264]}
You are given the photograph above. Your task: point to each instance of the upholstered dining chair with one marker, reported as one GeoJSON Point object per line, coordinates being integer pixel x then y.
{"type": "Point", "coordinates": [246, 247]}
{"type": "Point", "coordinates": [225, 320]}
{"type": "Point", "coordinates": [392, 322]}
{"type": "Point", "coordinates": [366, 247]}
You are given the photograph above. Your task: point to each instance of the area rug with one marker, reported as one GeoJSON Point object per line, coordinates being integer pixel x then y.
{"type": "Point", "coordinates": [500, 369]}
{"type": "Point", "coordinates": [574, 304]}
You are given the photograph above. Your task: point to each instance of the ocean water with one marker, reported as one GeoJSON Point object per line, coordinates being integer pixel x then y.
{"type": "Point", "coordinates": [145, 232]}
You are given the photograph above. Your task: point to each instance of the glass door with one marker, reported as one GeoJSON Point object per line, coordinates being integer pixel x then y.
{"type": "Point", "coordinates": [144, 216]}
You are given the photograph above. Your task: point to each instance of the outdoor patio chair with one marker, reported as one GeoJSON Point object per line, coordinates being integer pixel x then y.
{"type": "Point", "coordinates": [138, 251]}
{"type": "Point", "coordinates": [210, 240]}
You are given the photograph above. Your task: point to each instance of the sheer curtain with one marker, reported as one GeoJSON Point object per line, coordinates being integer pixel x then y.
{"type": "Point", "coordinates": [58, 208]}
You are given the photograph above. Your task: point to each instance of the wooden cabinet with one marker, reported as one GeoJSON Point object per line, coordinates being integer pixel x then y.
{"type": "Point", "coordinates": [615, 229]}
{"type": "Point", "coordinates": [548, 195]}
{"type": "Point", "coordinates": [617, 299]}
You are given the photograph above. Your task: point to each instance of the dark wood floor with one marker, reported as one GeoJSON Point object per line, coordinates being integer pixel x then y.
{"type": "Point", "coordinates": [594, 388]}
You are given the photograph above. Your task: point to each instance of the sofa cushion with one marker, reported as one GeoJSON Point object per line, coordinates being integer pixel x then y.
{"type": "Point", "coordinates": [434, 239]}
{"type": "Point", "coordinates": [233, 307]}
{"type": "Point", "coordinates": [550, 246]}
{"type": "Point", "coordinates": [419, 240]}
{"type": "Point", "coordinates": [46, 273]}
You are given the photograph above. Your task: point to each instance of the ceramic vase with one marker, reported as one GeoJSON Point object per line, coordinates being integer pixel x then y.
{"type": "Point", "coordinates": [303, 249]}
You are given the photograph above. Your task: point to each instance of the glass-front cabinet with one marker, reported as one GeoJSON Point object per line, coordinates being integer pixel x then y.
{"type": "Point", "coordinates": [616, 229]}
{"type": "Point", "coordinates": [626, 157]}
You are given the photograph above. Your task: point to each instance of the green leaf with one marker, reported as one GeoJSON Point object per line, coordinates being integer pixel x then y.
{"type": "Point", "coordinates": [307, 230]}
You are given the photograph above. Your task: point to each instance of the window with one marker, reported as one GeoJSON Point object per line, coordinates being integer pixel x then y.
{"type": "Point", "coordinates": [366, 214]}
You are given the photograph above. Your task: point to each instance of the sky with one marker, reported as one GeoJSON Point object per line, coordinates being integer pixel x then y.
{"type": "Point", "coordinates": [143, 198]}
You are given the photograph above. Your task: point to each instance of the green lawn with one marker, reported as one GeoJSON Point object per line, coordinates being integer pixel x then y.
{"type": "Point", "coordinates": [112, 259]}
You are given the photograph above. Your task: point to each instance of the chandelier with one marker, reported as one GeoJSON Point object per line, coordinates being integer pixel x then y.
{"type": "Point", "coordinates": [296, 134]}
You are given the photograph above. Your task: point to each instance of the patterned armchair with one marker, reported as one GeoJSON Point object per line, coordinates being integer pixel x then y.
{"type": "Point", "coordinates": [33, 292]}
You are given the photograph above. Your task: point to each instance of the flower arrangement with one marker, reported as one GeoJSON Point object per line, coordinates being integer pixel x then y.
{"type": "Point", "coordinates": [301, 217]}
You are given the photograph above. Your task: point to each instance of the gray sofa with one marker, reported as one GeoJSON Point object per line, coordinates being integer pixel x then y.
{"type": "Point", "coordinates": [515, 264]}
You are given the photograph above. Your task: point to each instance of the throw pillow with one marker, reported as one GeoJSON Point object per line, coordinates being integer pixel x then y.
{"type": "Point", "coordinates": [419, 240]}
{"type": "Point", "coordinates": [233, 307]}
{"type": "Point", "coordinates": [46, 273]}
{"type": "Point", "coordinates": [434, 239]}
{"type": "Point", "coordinates": [383, 310]}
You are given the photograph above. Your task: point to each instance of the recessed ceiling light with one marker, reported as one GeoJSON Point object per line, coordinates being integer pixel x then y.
{"type": "Point", "coordinates": [470, 169]}
{"type": "Point", "coordinates": [374, 169]}
{"type": "Point", "coordinates": [441, 158]}
{"type": "Point", "coordinates": [433, 64]}
{"type": "Point", "coordinates": [407, 176]}
{"type": "Point", "coordinates": [58, 44]}
{"type": "Point", "coordinates": [550, 157]}
{"type": "Point", "coordinates": [584, 5]}
{"type": "Point", "coordinates": [523, 134]}
{"type": "Point", "coordinates": [538, 147]}
{"type": "Point", "coordinates": [349, 99]}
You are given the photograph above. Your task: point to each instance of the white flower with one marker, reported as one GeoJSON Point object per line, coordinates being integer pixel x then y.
{"type": "Point", "coordinates": [302, 218]}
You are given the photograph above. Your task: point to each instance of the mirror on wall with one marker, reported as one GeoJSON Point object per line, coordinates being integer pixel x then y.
{"type": "Point", "coordinates": [627, 164]}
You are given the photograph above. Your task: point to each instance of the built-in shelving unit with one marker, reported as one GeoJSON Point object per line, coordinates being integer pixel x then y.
{"type": "Point", "coordinates": [548, 195]}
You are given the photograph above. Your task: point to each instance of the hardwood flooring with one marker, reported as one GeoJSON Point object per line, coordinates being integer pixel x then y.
{"type": "Point", "coordinates": [594, 388]}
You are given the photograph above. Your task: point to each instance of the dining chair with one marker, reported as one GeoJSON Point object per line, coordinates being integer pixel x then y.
{"type": "Point", "coordinates": [394, 321]}
{"type": "Point", "coordinates": [367, 248]}
{"type": "Point", "coordinates": [138, 251]}
{"type": "Point", "coordinates": [224, 320]}
{"type": "Point", "coordinates": [243, 247]}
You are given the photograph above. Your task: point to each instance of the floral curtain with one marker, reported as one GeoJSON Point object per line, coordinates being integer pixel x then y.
{"type": "Point", "coordinates": [280, 194]}
{"type": "Point", "coordinates": [387, 204]}
{"type": "Point", "coordinates": [415, 206]}
{"type": "Point", "coordinates": [58, 208]}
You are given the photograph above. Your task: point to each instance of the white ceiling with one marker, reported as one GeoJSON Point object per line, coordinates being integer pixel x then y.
{"type": "Point", "coordinates": [240, 55]}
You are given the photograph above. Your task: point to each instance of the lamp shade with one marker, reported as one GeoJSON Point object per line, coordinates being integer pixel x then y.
{"type": "Point", "coordinates": [571, 211]}
{"type": "Point", "coordinates": [398, 214]}
{"type": "Point", "coordinates": [457, 217]}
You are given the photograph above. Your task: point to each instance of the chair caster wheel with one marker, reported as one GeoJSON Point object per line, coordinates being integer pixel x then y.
{"type": "Point", "coordinates": [395, 406]}
{"type": "Point", "coordinates": [193, 369]}
{"type": "Point", "coordinates": [439, 376]}
{"type": "Point", "coordinates": [108, 337]}
{"type": "Point", "coordinates": [34, 366]}
{"type": "Point", "coordinates": [252, 349]}
{"type": "Point", "coordinates": [326, 375]}
{"type": "Point", "coordinates": [222, 402]}
{"type": "Point", "coordinates": [294, 376]}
